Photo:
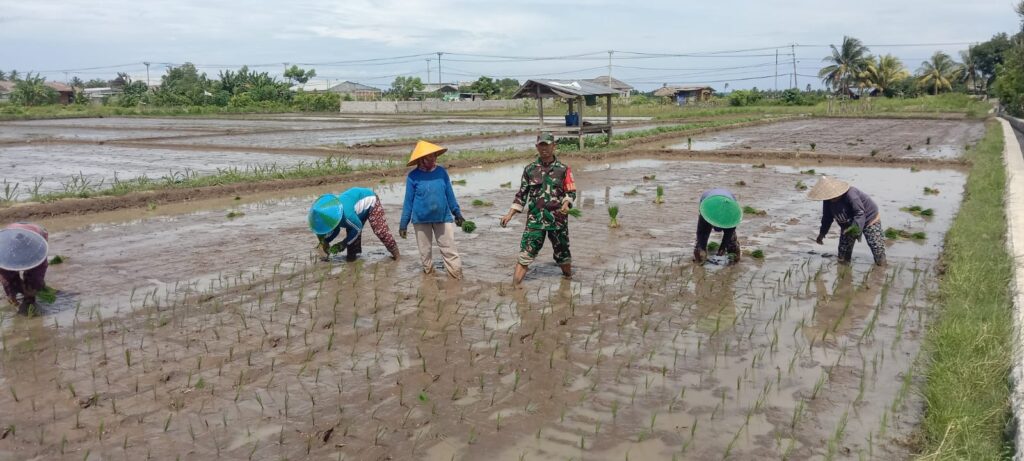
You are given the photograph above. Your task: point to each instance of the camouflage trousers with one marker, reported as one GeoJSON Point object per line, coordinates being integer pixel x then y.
{"type": "Point", "coordinates": [533, 241]}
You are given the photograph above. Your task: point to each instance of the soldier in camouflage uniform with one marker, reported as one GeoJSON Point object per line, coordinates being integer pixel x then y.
{"type": "Point", "coordinates": [546, 193]}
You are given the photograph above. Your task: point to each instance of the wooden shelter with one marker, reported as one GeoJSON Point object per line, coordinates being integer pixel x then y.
{"type": "Point", "coordinates": [577, 93]}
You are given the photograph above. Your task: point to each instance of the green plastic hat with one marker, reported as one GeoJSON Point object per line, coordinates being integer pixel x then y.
{"type": "Point", "coordinates": [325, 214]}
{"type": "Point", "coordinates": [721, 211]}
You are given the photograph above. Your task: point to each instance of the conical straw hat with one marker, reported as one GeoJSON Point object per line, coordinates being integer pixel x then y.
{"type": "Point", "coordinates": [424, 149]}
{"type": "Point", "coordinates": [828, 188]}
{"type": "Point", "coordinates": [21, 250]}
{"type": "Point", "coordinates": [325, 214]}
{"type": "Point", "coordinates": [721, 211]}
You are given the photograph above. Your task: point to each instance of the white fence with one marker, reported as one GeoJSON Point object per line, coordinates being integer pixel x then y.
{"type": "Point", "coordinates": [402, 107]}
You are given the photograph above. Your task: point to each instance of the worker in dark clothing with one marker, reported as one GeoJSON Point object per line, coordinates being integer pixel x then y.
{"type": "Point", "coordinates": [719, 212]}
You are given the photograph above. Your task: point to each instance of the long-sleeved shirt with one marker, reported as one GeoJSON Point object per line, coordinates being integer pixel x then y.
{"type": "Point", "coordinates": [355, 209]}
{"type": "Point", "coordinates": [704, 228]}
{"type": "Point", "coordinates": [429, 198]}
{"type": "Point", "coordinates": [542, 191]}
{"type": "Point", "coordinates": [853, 207]}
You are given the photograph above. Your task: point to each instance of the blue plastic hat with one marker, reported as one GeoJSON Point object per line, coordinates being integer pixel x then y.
{"type": "Point", "coordinates": [325, 214]}
{"type": "Point", "coordinates": [21, 250]}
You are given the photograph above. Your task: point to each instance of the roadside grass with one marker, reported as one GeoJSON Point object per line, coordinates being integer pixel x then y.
{"type": "Point", "coordinates": [969, 343]}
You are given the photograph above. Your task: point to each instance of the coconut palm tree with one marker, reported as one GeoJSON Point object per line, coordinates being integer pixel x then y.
{"type": "Point", "coordinates": [884, 72]}
{"type": "Point", "coordinates": [847, 64]}
{"type": "Point", "coordinates": [939, 73]}
{"type": "Point", "coordinates": [969, 69]}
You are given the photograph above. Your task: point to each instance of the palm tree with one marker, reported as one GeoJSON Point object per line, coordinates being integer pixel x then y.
{"type": "Point", "coordinates": [969, 69]}
{"type": "Point", "coordinates": [884, 73]}
{"type": "Point", "coordinates": [3, 75]}
{"type": "Point", "coordinates": [847, 64]}
{"type": "Point", "coordinates": [77, 82]}
{"type": "Point", "coordinates": [13, 75]}
{"type": "Point", "coordinates": [939, 73]}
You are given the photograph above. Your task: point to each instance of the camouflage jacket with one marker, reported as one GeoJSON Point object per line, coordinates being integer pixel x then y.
{"type": "Point", "coordinates": [541, 193]}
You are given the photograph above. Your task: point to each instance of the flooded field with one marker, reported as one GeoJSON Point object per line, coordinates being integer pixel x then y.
{"type": "Point", "coordinates": [179, 331]}
{"type": "Point", "coordinates": [347, 137]}
{"type": "Point", "coordinates": [942, 139]}
{"type": "Point", "coordinates": [44, 168]}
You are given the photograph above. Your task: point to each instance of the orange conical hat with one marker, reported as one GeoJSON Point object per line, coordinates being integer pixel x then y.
{"type": "Point", "coordinates": [424, 149]}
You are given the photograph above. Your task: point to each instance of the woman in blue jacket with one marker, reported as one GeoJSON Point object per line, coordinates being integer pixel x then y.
{"type": "Point", "coordinates": [431, 206]}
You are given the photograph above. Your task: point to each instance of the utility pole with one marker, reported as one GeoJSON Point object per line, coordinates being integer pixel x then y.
{"type": "Point", "coordinates": [792, 48]}
{"type": "Point", "coordinates": [776, 69]}
{"type": "Point", "coordinates": [147, 74]}
{"type": "Point", "coordinates": [610, 52]}
{"type": "Point", "coordinates": [428, 70]}
{"type": "Point", "coordinates": [439, 67]}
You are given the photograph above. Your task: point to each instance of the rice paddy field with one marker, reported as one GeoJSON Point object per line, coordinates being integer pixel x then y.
{"type": "Point", "coordinates": [210, 328]}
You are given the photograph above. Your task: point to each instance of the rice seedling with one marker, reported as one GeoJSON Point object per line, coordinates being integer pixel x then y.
{"type": "Point", "coordinates": [800, 185]}
{"type": "Point", "coordinates": [813, 145]}
{"type": "Point", "coordinates": [458, 182]}
{"type": "Point", "coordinates": [631, 193]}
{"type": "Point", "coordinates": [914, 169]}
{"type": "Point", "coordinates": [757, 254]}
{"type": "Point", "coordinates": [808, 172]}
{"type": "Point", "coordinates": [468, 227]}
{"type": "Point", "coordinates": [575, 212]}
{"type": "Point", "coordinates": [482, 203]}
{"type": "Point", "coordinates": [917, 210]}
{"type": "Point", "coordinates": [613, 215]}
{"type": "Point", "coordinates": [47, 295]}
{"type": "Point", "coordinates": [649, 177]}
{"type": "Point", "coordinates": [57, 259]}
{"type": "Point", "coordinates": [235, 214]}
{"type": "Point", "coordinates": [909, 147]}
{"type": "Point", "coordinates": [896, 234]}
{"type": "Point", "coordinates": [930, 191]}
{"type": "Point", "coordinates": [874, 152]}
{"type": "Point", "coordinates": [760, 165]}
{"type": "Point", "coordinates": [659, 197]}
{"type": "Point", "coordinates": [749, 210]}
{"type": "Point", "coordinates": [506, 184]}
{"type": "Point", "coordinates": [741, 183]}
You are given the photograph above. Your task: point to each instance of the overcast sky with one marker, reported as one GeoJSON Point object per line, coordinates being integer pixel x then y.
{"type": "Point", "coordinates": [77, 35]}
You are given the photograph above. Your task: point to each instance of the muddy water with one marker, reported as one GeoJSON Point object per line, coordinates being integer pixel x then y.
{"type": "Point", "coordinates": [184, 124]}
{"type": "Point", "coordinates": [54, 168]}
{"type": "Point", "coordinates": [348, 137]}
{"type": "Point", "coordinates": [248, 348]}
{"type": "Point", "coordinates": [877, 137]}
{"type": "Point", "coordinates": [49, 133]}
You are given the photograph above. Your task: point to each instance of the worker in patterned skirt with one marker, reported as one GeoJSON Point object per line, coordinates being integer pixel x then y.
{"type": "Point", "coordinates": [333, 215]}
{"type": "Point", "coordinates": [546, 193]}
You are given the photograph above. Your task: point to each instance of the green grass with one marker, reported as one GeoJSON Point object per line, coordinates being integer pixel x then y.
{"type": "Point", "coordinates": [969, 344]}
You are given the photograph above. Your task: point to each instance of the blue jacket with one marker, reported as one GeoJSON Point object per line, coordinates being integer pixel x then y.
{"type": "Point", "coordinates": [356, 204]}
{"type": "Point", "coordinates": [429, 198]}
